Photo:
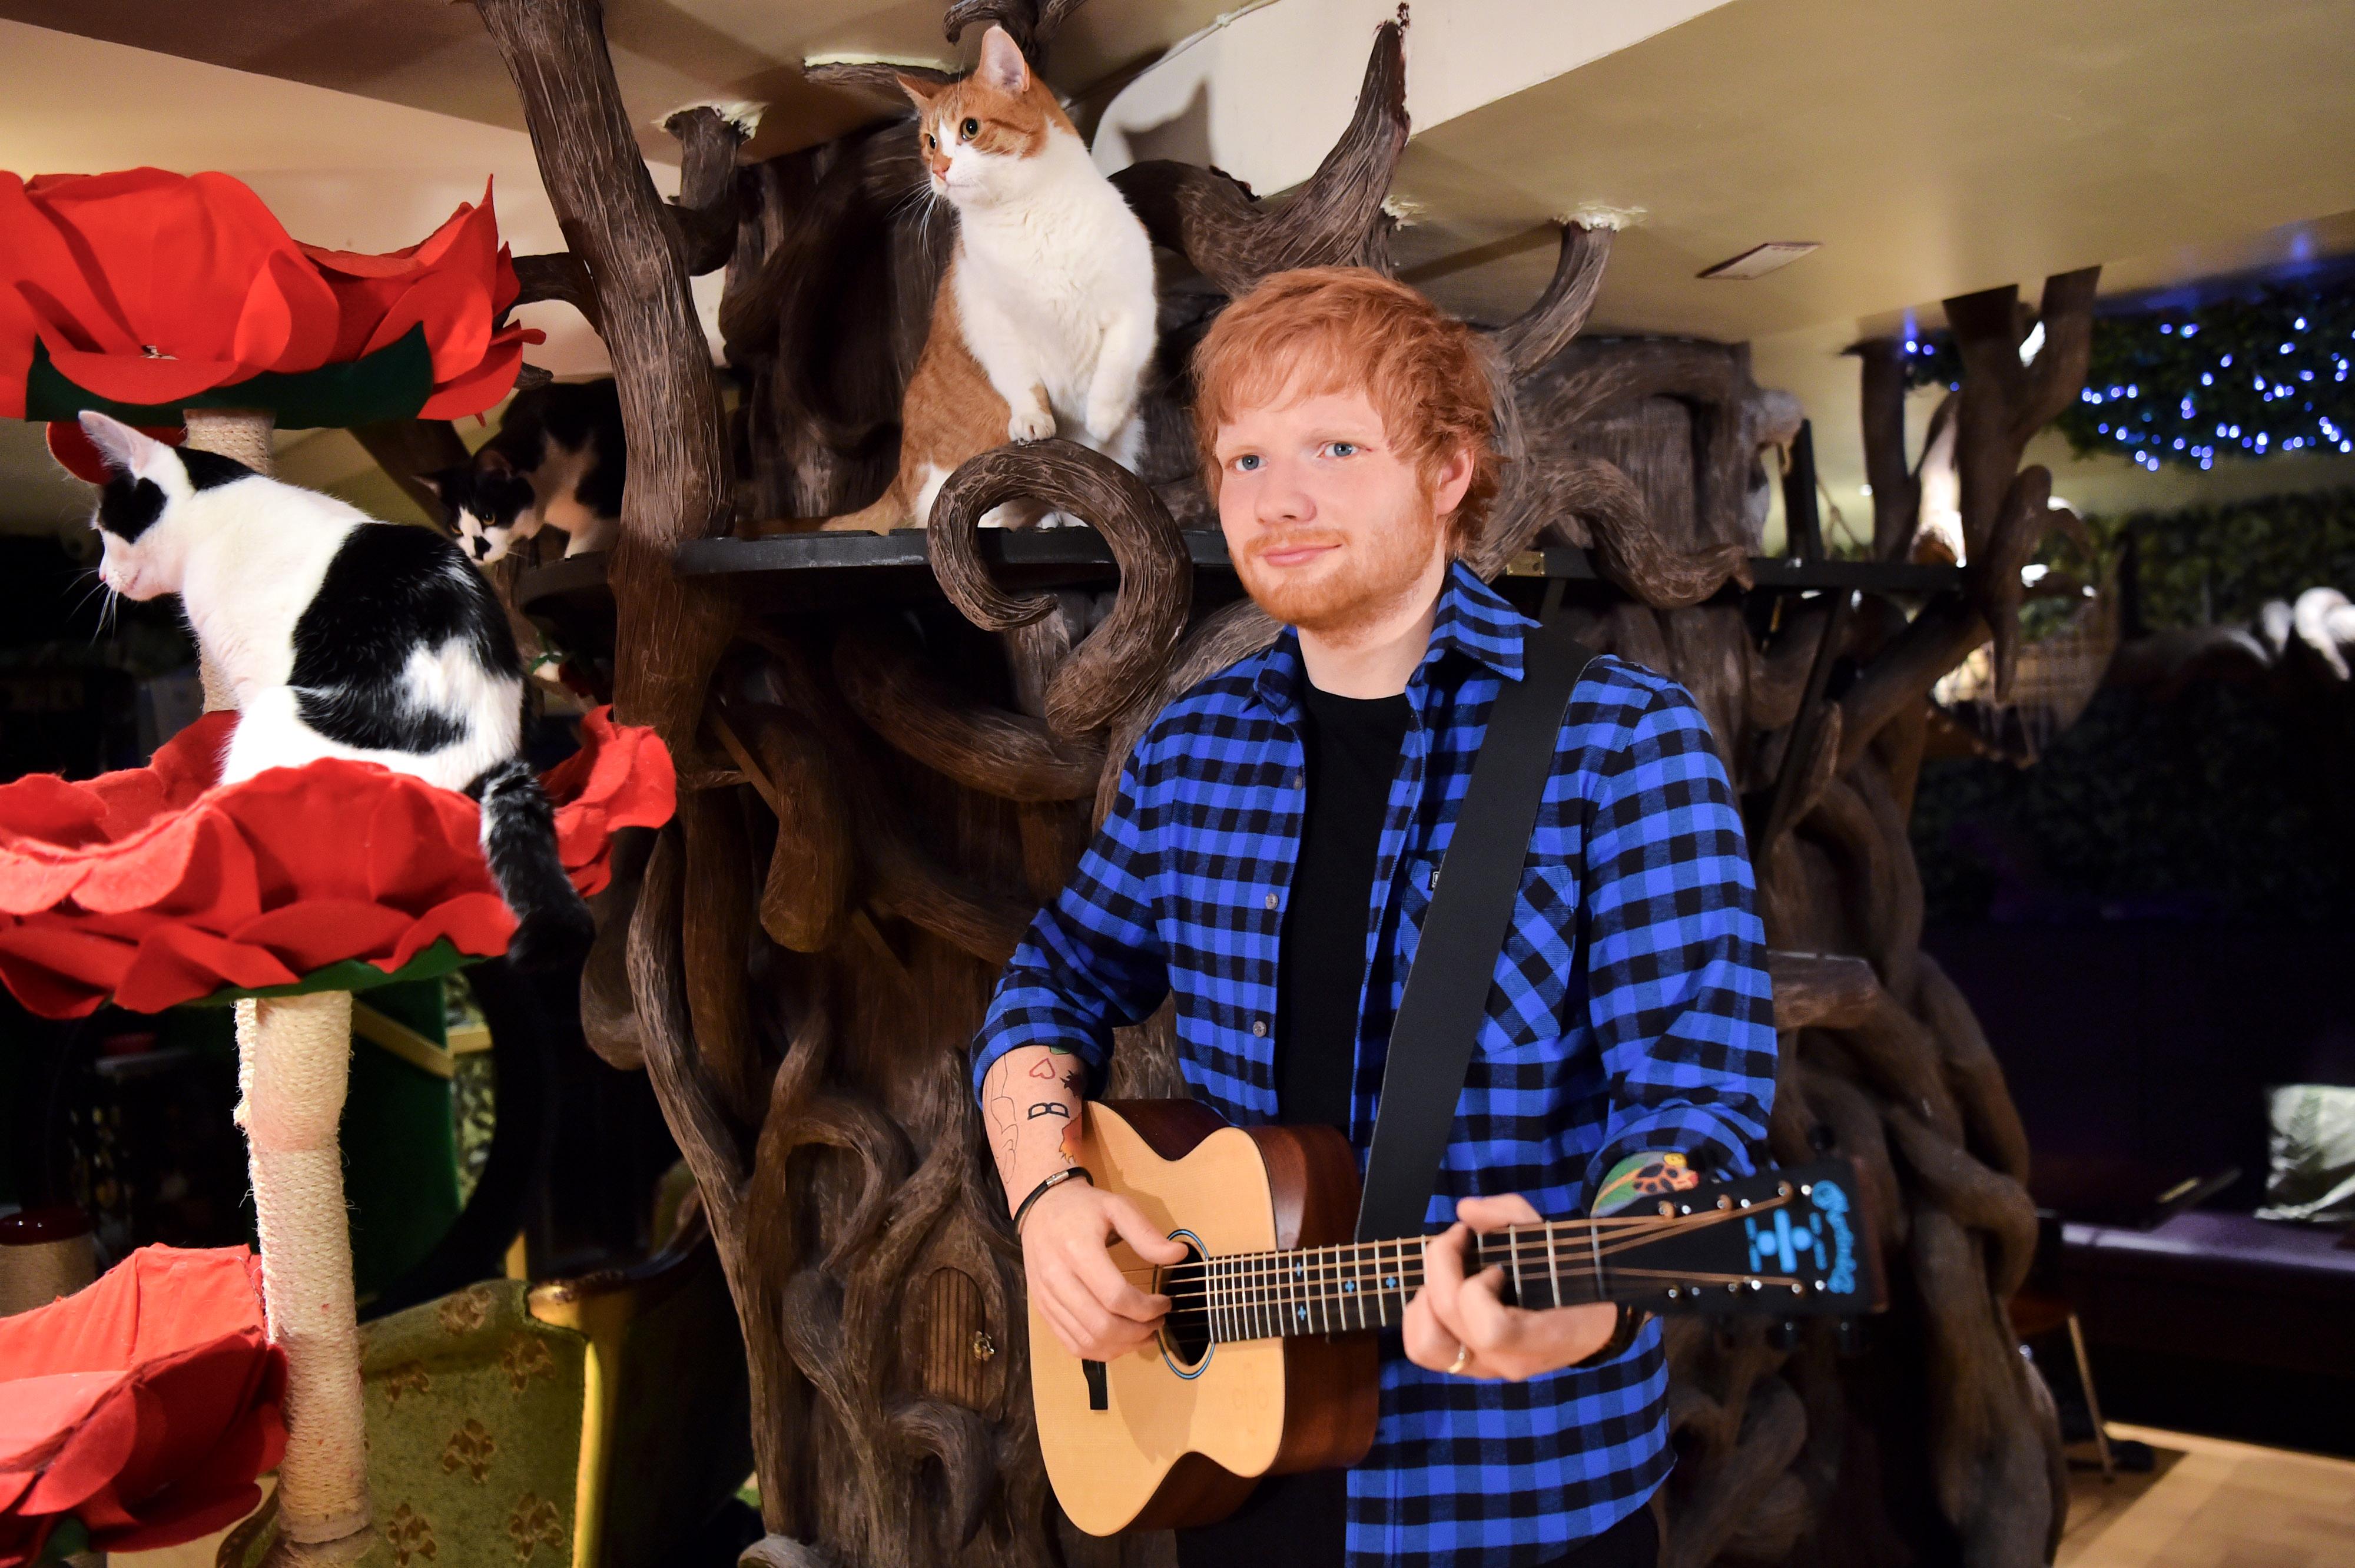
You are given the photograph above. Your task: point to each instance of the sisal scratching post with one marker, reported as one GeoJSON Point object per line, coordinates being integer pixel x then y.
{"type": "Point", "coordinates": [293, 1065]}
{"type": "Point", "coordinates": [241, 435]}
{"type": "Point", "coordinates": [293, 1061]}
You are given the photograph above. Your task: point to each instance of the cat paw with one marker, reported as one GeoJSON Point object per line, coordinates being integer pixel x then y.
{"type": "Point", "coordinates": [1030, 424]}
{"type": "Point", "coordinates": [1105, 418]}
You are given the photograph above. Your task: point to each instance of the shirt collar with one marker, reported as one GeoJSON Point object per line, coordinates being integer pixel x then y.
{"type": "Point", "coordinates": [1473, 620]}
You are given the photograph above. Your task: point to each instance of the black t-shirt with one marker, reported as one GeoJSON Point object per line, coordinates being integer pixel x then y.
{"type": "Point", "coordinates": [1353, 752]}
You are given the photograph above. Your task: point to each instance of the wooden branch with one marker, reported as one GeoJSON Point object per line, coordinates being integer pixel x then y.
{"type": "Point", "coordinates": [1627, 547]}
{"type": "Point", "coordinates": [560, 275]}
{"type": "Point", "coordinates": [617, 224]}
{"type": "Point", "coordinates": [715, 943]}
{"type": "Point", "coordinates": [1123, 658]}
{"type": "Point", "coordinates": [1530, 339]}
{"type": "Point", "coordinates": [1033, 23]}
{"type": "Point", "coordinates": [690, 1102]}
{"type": "Point", "coordinates": [703, 219]}
{"type": "Point", "coordinates": [1896, 490]}
{"type": "Point", "coordinates": [806, 901]}
{"type": "Point", "coordinates": [1009, 755]}
{"type": "Point", "coordinates": [1334, 219]}
{"type": "Point", "coordinates": [913, 886]}
{"type": "Point", "coordinates": [1820, 990]}
{"type": "Point", "coordinates": [609, 1016]}
{"type": "Point", "coordinates": [2058, 373]}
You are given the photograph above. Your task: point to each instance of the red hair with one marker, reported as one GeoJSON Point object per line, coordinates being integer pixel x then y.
{"type": "Point", "coordinates": [1350, 329]}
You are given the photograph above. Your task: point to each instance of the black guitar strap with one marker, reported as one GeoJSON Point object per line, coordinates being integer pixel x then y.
{"type": "Point", "coordinates": [1447, 998]}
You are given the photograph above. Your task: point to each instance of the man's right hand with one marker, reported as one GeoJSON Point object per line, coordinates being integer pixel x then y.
{"type": "Point", "coordinates": [1096, 1311]}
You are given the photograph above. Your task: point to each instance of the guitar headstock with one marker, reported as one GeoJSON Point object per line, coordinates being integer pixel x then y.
{"type": "Point", "coordinates": [1792, 1242]}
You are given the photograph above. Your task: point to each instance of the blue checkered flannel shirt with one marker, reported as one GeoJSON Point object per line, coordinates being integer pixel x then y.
{"type": "Point", "coordinates": [1631, 1012]}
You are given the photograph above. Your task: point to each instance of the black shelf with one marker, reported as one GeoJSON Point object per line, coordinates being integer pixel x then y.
{"type": "Point", "coordinates": [831, 570]}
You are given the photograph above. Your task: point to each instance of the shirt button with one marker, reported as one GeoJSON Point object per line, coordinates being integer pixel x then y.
{"type": "Point", "coordinates": [1270, 900]}
{"type": "Point", "coordinates": [1298, 780]}
{"type": "Point", "coordinates": [1258, 1026]}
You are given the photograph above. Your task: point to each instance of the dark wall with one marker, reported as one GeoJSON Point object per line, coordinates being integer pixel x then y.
{"type": "Point", "coordinates": [2154, 1040]}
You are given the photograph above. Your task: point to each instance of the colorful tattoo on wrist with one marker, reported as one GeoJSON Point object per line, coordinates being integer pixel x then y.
{"type": "Point", "coordinates": [1640, 1176]}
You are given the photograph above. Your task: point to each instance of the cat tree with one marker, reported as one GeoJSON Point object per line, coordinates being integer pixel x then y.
{"type": "Point", "coordinates": [884, 771]}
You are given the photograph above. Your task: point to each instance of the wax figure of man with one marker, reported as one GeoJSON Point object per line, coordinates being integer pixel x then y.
{"type": "Point", "coordinates": [1268, 863]}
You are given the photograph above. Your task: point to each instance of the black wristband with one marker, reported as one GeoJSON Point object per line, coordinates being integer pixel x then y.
{"type": "Point", "coordinates": [1060, 1177]}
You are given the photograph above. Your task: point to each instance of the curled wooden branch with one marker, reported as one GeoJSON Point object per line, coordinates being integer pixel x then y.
{"type": "Point", "coordinates": [690, 1102]}
{"type": "Point", "coordinates": [1820, 990]}
{"type": "Point", "coordinates": [958, 1440]}
{"type": "Point", "coordinates": [704, 216]}
{"type": "Point", "coordinates": [1334, 219]}
{"type": "Point", "coordinates": [609, 1018]}
{"type": "Point", "coordinates": [1725, 1494]}
{"type": "Point", "coordinates": [807, 898]}
{"type": "Point", "coordinates": [1532, 338]}
{"type": "Point", "coordinates": [562, 277]}
{"type": "Point", "coordinates": [1033, 23]}
{"type": "Point", "coordinates": [917, 888]}
{"type": "Point", "coordinates": [1009, 755]}
{"type": "Point", "coordinates": [1627, 548]}
{"type": "Point", "coordinates": [715, 936]}
{"type": "Point", "coordinates": [1123, 658]}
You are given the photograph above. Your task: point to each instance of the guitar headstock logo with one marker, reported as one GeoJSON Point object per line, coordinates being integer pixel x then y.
{"type": "Point", "coordinates": [1823, 1240]}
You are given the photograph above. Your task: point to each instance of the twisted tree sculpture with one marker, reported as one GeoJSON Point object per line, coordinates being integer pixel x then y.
{"type": "Point", "coordinates": [876, 795]}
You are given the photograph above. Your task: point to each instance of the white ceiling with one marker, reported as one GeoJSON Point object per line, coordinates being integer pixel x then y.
{"type": "Point", "coordinates": [1933, 147]}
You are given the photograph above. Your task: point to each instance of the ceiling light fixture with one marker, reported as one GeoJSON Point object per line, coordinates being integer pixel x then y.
{"type": "Point", "coordinates": [1761, 260]}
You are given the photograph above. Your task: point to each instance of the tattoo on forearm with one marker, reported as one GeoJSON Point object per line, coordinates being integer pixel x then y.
{"type": "Point", "coordinates": [1027, 1088]}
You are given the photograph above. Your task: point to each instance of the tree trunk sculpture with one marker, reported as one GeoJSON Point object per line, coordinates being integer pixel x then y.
{"type": "Point", "coordinates": [875, 798]}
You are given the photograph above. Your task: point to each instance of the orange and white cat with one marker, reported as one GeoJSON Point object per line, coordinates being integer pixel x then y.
{"type": "Point", "coordinates": [1045, 316]}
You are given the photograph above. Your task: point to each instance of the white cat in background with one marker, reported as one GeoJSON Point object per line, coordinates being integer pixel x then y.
{"type": "Point", "coordinates": [1044, 321]}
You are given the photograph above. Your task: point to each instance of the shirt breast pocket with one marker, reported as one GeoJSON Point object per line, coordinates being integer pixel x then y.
{"type": "Point", "coordinates": [1534, 974]}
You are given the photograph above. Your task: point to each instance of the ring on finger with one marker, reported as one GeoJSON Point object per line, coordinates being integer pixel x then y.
{"type": "Point", "coordinates": [1463, 1359]}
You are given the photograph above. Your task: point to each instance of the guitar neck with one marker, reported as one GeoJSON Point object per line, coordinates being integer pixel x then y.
{"type": "Point", "coordinates": [1366, 1284]}
{"type": "Point", "coordinates": [1634, 1257]}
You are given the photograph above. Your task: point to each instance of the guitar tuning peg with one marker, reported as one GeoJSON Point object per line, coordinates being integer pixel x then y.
{"type": "Point", "coordinates": [1849, 1336]}
{"type": "Point", "coordinates": [1783, 1334]}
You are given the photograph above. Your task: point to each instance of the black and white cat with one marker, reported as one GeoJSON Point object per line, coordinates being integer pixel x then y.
{"type": "Point", "coordinates": [557, 463]}
{"type": "Point", "coordinates": [342, 636]}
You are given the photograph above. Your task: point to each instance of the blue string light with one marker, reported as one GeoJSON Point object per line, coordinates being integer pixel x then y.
{"type": "Point", "coordinates": [2153, 396]}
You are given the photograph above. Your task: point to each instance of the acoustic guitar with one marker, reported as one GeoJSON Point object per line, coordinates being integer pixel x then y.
{"type": "Point", "coordinates": [1267, 1362]}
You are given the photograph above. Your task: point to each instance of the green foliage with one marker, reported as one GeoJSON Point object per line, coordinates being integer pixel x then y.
{"type": "Point", "coordinates": [2224, 801]}
{"type": "Point", "coordinates": [2215, 565]}
{"type": "Point", "coordinates": [2261, 372]}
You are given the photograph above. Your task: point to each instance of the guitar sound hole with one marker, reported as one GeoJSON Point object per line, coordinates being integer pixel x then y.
{"type": "Point", "coordinates": [1186, 1331]}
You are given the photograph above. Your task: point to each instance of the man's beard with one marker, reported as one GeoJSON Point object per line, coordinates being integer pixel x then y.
{"type": "Point", "coordinates": [1377, 571]}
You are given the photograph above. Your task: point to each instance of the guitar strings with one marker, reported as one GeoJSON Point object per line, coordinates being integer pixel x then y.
{"type": "Point", "coordinates": [1281, 1268]}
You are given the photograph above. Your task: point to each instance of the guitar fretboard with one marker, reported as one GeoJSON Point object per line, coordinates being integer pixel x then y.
{"type": "Point", "coordinates": [1367, 1285]}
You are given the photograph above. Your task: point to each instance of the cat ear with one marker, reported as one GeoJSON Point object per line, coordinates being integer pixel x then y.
{"type": "Point", "coordinates": [491, 459]}
{"type": "Point", "coordinates": [916, 90]}
{"type": "Point", "coordinates": [123, 448]}
{"type": "Point", "coordinates": [1002, 65]}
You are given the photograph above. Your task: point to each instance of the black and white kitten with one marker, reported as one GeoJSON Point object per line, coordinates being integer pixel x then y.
{"type": "Point", "coordinates": [557, 463]}
{"type": "Point", "coordinates": [342, 636]}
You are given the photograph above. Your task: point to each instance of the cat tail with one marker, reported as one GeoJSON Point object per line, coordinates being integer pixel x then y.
{"type": "Point", "coordinates": [553, 925]}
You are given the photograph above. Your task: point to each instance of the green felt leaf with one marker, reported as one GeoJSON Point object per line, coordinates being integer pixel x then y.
{"type": "Point", "coordinates": [390, 384]}
{"type": "Point", "coordinates": [351, 974]}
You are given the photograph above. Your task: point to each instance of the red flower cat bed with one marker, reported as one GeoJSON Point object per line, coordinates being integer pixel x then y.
{"type": "Point", "coordinates": [142, 1406]}
{"type": "Point", "coordinates": [147, 293]}
{"type": "Point", "coordinates": [153, 886]}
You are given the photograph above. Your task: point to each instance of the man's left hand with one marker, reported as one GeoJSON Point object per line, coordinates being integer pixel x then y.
{"type": "Point", "coordinates": [1452, 1315]}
